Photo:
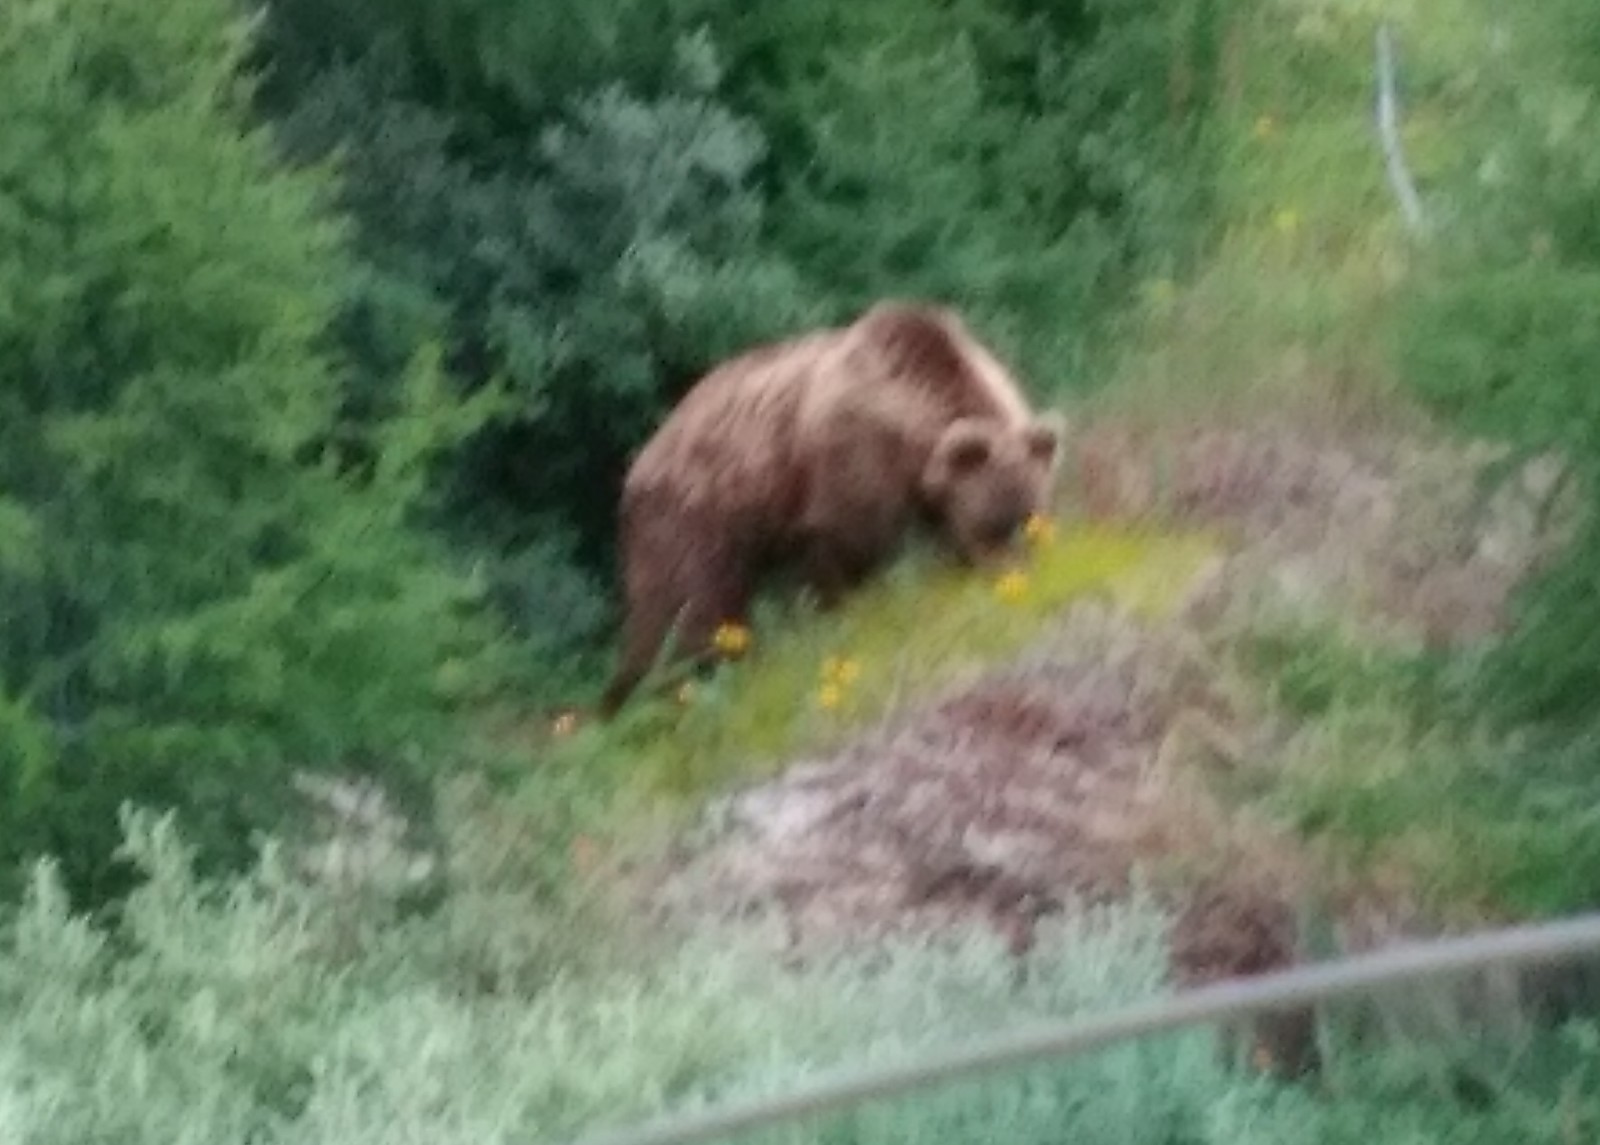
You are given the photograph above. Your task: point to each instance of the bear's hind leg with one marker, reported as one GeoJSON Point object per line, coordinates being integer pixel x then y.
{"type": "Point", "coordinates": [641, 641]}
{"type": "Point", "coordinates": [722, 598]}
{"type": "Point", "coordinates": [708, 591]}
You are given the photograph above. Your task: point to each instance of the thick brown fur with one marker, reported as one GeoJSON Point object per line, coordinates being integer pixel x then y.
{"type": "Point", "coordinates": [820, 452]}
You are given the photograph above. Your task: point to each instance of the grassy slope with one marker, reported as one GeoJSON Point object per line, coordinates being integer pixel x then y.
{"type": "Point", "coordinates": [1288, 316]}
{"type": "Point", "coordinates": [1288, 312]}
{"type": "Point", "coordinates": [1292, 314]}
{"type": "Point", "coordinates": [397, 1043]}
{"type": "Point", "coordinates": [915, 630]}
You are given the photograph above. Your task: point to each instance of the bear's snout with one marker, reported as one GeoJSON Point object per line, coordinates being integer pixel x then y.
{"type": "Point", "coordinates": [995, 538]}
{"type": "Point", "coordinates": [999, 532]}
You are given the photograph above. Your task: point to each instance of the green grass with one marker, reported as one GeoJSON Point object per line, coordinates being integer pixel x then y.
{"type": "Point", "coordinates": [919, 627]}
{"type": "Point", "coordinates": [1301, 320]}
{"type": "Point", "coordinates": [1295, 318]}
{"type": "Point", "coordinates": [1389, 774]}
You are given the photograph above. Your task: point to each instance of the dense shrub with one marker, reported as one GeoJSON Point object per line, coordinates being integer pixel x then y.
{"type": "Point", "coordinates": [191, 601]}
{"type": "Point", "coordinates": [595, 206]}
{"type": "Point", "coordinates": [1502, 335]}
{"type": "Point", "coordinates": [241, 1011]}
{"type": "Point", "coordinates": [593, 254]}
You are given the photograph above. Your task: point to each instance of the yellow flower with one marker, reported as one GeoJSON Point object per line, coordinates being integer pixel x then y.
{"type": "Point", "coordinates": [1266, 126]}
{"type": "Point", "coordinates": [1011, 587]}
{"type": "Point", "coordinates": [1039, 530]}
{"type": "Point", "coordinates": [830, 696]}
{"type": "Point", "coordinates": [840, 670]}
{"type": "Point", "coordinates": [732, 640]}
{"type": "Point", "coordinates": [1287, 221]}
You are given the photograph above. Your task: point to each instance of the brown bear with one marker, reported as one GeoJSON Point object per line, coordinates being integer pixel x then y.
{"type": "Point", "coordinates": [818, 453]}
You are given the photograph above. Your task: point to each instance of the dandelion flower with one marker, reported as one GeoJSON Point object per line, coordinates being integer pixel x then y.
{"type": "Point", "coordinates": [1011, 587]}
{"type": "Point", "coordinates": [1040, 530]}
{"type": "Point", "coordinates": [840, 670]}
{"type": "Point", "coordinates": [829, 697]}
{"type": "Point", "coordinates": [732, 640]}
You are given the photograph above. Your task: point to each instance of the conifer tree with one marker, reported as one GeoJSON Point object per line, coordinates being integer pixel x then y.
{"type": "Point", "coordinates": [192, 599]}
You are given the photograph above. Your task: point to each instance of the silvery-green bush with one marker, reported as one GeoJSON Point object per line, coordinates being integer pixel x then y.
{"type": "Point", "coordinates": [240, 1011]}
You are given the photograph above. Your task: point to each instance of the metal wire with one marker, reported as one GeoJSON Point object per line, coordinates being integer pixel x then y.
{"type": "Point", "coordinates": [1226, 1001]}
{"type": "Point", "coordinates": [1389, 134]}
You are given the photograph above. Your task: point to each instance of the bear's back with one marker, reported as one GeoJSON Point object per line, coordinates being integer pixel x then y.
{"type": "Point", "coordinates": [910, 369]}
{"type": "Point", "coordinates": [727, 442]}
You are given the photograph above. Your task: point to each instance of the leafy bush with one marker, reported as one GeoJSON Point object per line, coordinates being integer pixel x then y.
{"type": "Point", "coordinates": [245, 1010]}
{"type": "Point", "coordinates": [586, 205]}
{"type": "Point", "coordinates": [1501, 337]}
{"type": "Point", "coordinates": [1021, 160]}
{"type": "Point", "coordinates": [192, 601]}
{"type": "Point", "coordinates": [594, 257]}
{"type": "Point", "coordinates": [1506, 350]}
{"type": "Point", "coordinates": [239, 1010]}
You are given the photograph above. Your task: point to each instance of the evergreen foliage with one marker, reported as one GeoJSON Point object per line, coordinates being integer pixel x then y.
{"type": "Point", "coordinates": [1026, 161]}
{"type": "Point", "coordinates": [594, 260]}
{"type": "Point", "coordinates": [191, 600]}
{"type": "Point", "coordinates": [597, 209]}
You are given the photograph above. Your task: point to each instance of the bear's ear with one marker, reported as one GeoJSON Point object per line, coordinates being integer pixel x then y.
{"type": "Point", "coordinates": [965, 447]}
{"type": "Point", "coordinates": [1044, 437]}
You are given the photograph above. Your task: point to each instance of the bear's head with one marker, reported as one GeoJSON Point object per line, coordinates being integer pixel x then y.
{"type": "Point", "coordinates": [986, 477]}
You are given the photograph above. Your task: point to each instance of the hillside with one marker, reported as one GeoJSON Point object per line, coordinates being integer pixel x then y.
{"type": "Point", "coordinates": [1207, 671]}
{"type": "Point", "coordinates": [1205, 683]}
{"type": "Point", "coordinates": [1299, 665]}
